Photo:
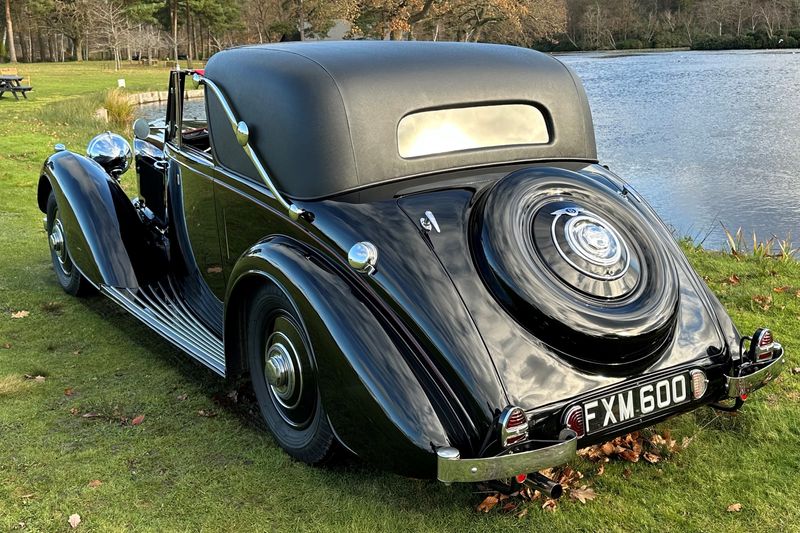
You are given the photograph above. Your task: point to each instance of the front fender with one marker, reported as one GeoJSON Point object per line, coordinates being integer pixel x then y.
{"type": "Point", "coordinates": [375, 402]}
{"type": "Point", "coordinates": [90, 204]}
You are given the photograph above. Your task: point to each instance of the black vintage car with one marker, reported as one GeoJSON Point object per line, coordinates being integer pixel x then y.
{"type": "Point", "coordinates": [411, 250]}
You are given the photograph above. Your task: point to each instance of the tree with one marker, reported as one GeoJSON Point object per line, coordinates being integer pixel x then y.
{"type": "Point", "coordinates": [12, 51]}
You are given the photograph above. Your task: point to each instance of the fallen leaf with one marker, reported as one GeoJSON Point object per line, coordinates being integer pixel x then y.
{"type": "Point", "coordinates": [91, 415]}
{"type": "Point", "coordinates": [626, 473]}
{"type": "Point", "coordinates": [74, 520]}
{"type": "Point", "coordinates": [522, 513]}
{"type": "Point", "coordinates": [629, 455]}
{"type": "Point", "coordinates": [734, 507]}
{"type": "Point", "coordinates": [73, 411]}
{"type": "Point", "coordinates": [507, 508]}
{"type": "Point", "coordinates": [601, 470]}
{"type": "Point", "coordinates": [734, 279]}
{"type": "Point", "coordinates": [582, 494]}
{"type": "Point", "coordinates": [796, 370]}
{"type": "Point", "coordinates": [686, 442]}
{"type": "Point", "coordinates": [182, 397]}
{"type": "Point", "coordinates": [7, 346]}
{"type": "Point", "coordinates": [76, 352]}
{"type": "Point", "coordinates": [205, 413]}
{"type": "Point", "coordinates": [550, 505]}
{"type": "Point", "coordinates": [764, 302]}
{"type": "Point", "coordinates": [39, 379]}
{"type": "Point", "coordinates": [20, 314]}
{"type": "Point", "coordinates": [27, 496]}
{"type": "Point", "coordinates": [69, 392]}
{"type": "Point", "coordinates": [95, 483]}
{"type": "Point", "coordinates": [137, 420]}
{"type": "Point", "coordinates": [651, 458]}
{"type": "Point", "coordinates": [780, 289]}
{"type": "Point", "coordinates": [487, 504]}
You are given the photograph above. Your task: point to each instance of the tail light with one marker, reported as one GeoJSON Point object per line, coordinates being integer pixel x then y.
{"type": "Point", "coordinates": [762, 346]}
{"type": "Point", "coordinates": [513, 426]}
{"type": "Point", "coordinates": [699, 383]}
{"type": "Point", "coordinates": [573, 419]}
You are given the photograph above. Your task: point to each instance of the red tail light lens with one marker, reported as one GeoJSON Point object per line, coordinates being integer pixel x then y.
{"type": "Point", "coordinates": [513, 426]}
{"type": "Point", "coordinates": [573, 419]}
{"type": "Point", "coordinates": [762, 345]}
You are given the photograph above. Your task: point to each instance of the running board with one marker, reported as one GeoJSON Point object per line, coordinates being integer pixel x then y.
{"type": "Point", "coordinates": [160, 307]}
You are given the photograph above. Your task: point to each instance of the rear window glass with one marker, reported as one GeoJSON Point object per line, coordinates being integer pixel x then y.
{"type": "Point", "coordinates": [466, 128]}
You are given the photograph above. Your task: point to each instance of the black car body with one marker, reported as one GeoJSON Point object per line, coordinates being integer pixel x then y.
{"type": "Point", "coordinates": [411, 248]}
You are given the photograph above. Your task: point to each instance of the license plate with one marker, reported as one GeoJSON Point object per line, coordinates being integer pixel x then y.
{"type": "Point", "coordinates": [638, 402]}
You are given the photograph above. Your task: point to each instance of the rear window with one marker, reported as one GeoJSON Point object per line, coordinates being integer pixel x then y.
{"type": "Point", "coordinates": [467, 128]}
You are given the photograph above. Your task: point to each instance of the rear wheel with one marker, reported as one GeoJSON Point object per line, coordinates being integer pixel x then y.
{"type": "Point", "coordinates": [70, 279]}
{"type": "Point", "coordinates": [283, 374]}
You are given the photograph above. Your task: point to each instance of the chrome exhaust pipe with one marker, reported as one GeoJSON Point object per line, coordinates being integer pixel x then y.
{"type": "Point", "coordinates": [545, 485]}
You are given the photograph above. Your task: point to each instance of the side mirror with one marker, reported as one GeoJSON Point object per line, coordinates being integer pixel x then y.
{"type": "Point", "coordinates": [141, 129]}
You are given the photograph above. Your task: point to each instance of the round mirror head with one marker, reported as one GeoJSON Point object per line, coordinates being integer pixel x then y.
{"type": "Point", "coordinates": [112, 152]}
{"type": "Point", "coordinates": [141, 128]}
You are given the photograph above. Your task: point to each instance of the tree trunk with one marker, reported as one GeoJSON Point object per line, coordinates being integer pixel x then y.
{"type": "Point", "coordinates": [12, 51]}
{"type": "Point", "coordinates": [175, 32]}
{"type": "Point", "coordinates": [78, 47]}
{"type": "Point", "coordinates": [189, 51]}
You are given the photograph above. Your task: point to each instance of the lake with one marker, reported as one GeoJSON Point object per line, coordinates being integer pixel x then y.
{"type": "Point", "coordinates": [708, 138]}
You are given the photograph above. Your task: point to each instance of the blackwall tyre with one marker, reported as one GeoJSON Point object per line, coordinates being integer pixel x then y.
{"type": "Point", "coordinates": [283, 375]}
{"type": "Point", "coordinates": [70, 279]}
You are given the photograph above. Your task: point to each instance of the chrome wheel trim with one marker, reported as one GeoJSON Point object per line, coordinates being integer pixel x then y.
{"type": "Point", "coordinates": [58, 245]}
{"type": "Point", "coordinates": [592, 249]}
{"type": "Point", "coordinates": [283, 370]}
{"type": "Point", "coordinates": [279, 369]}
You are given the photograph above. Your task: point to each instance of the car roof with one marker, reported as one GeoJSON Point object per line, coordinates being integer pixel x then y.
{"type": "Point", "coordinates": [324, 116]}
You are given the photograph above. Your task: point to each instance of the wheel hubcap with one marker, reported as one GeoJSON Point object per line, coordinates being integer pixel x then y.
{"type": "Point", "coordinates": [288, 373]}
{"type": "Point", "coordinates": [279, 369]}
{"type": "Point", "coordinates": [59, 246]}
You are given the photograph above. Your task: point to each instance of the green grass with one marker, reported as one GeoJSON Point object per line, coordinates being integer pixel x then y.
{"type": "Point", "coordinates": [181, 471]}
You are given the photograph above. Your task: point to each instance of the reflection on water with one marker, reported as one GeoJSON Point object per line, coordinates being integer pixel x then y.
{"type": "Point", "coordinates": [706, 137]}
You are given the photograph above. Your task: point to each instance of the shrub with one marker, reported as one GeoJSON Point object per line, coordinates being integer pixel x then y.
{"type": "Point", "coordinates": [120, 109]}
{"type": "Point", "coordinates": [630, 44]}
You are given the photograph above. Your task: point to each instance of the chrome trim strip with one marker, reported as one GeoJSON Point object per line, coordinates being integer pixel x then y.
{"type": "Point", "coordinates": [736, 386]}
{"type": "Point", "coordinates": [450, 468]}
{"type": "Point", "coordinates": [242, 132]}
{"type": "Point", "coordinates": [171, 322]}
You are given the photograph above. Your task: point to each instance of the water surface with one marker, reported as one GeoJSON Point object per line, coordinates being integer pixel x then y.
{"type": "Point", "coordinates": [708, 138]}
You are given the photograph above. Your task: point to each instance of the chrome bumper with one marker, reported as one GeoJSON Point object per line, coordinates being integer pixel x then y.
{"type": "Point", "coordinates": [738, 386]}
{"type": "Point", "coordinates": [451, 468]}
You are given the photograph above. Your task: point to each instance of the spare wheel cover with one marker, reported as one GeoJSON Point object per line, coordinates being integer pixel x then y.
{"type": "Point", "coordinates": [579, 265]}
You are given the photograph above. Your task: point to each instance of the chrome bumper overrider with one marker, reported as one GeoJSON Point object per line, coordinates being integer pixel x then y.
{"type": "Point", "coordinates": [738, 386]}
{"type": "Point", "coordinates": [451, 468]}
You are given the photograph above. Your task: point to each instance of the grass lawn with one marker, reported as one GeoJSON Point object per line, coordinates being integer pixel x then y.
{"type": "Point", "coordinates": [178, 470]}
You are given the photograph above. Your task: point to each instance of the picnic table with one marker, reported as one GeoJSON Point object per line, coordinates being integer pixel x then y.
{"type": "Point", "coordinates": [13, 83]}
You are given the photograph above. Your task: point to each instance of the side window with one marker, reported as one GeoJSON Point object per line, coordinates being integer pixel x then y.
{"type": "Point", "coordinates": [194, 122]}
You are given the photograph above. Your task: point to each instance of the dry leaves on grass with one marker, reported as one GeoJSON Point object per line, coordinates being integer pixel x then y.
{"type": "Point", "coordinates": [19, 314]}
{"type": "Point", "coordinates": [796, 370]}
{"type": "Point", "coordinates": [74, 520]}
{"type": "Point", "coordinates": [734, 279]}
{"type": "Point", "coordinates": [137, 420]}
{"type": "Point", "coordinates": [182, 397]}
{"type": "Point", "coordinates": [780, 290]}
{"type": "Point", "coordinates": [734, 507]}
{"type": "Point", "coordinates": [7, 345]}
{"type": "Point", "coordinates": [582, 494]}
{"type": "Point", "coordinates": [632, 447]}
{"type": "Point", "coordinates": [207, 414]}
{"type": "Point", "coordinates": [95, 483]}
{"type": "Point", "coordinates": [488, 503]}
{"type": "Point", "coordinates": [764, 302]}
{"type": "Point", "coordinates": [69, 391]}
{"type": "Point", "coordinates": [37, 378]}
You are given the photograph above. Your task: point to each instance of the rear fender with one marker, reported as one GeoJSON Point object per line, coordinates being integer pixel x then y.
{"type": "Point", "coordinates": [97, 217]}
{"type": "Point", "coordinates": [374, 401]}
